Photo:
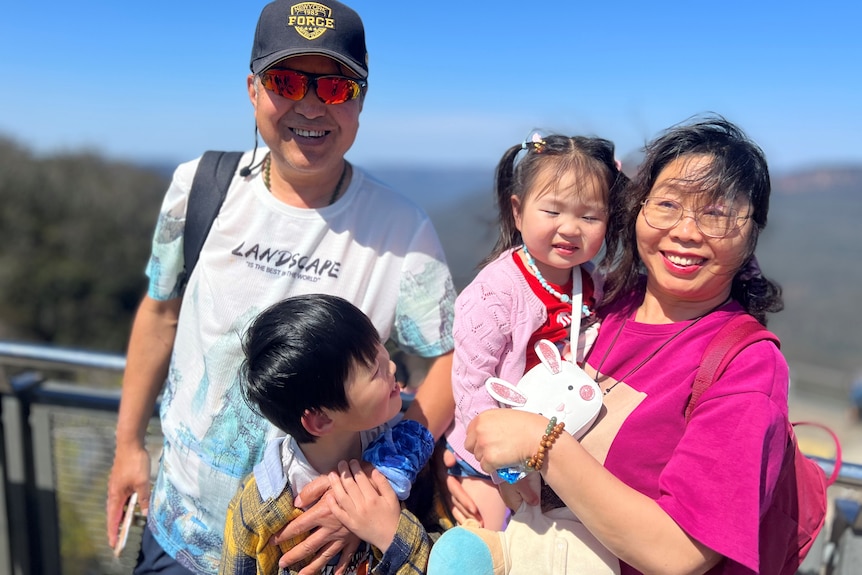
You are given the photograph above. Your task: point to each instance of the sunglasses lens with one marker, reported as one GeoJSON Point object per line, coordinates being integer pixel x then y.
{"type": "Point", "coordinates": [286, 83]}
{"type": "Point", "coordinates": [336, 89]}
{"type": "Point", "coordinates": [293, 85]}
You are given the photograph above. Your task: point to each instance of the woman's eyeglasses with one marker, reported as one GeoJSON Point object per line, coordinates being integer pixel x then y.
{"type": "Point", "coordinates": [330, 88]}
{"type": "Point", "coordinates": [714, 221]}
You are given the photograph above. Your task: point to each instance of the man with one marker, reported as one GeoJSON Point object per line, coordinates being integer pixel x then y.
{"type": "Point", "coordinates": [301, 220]}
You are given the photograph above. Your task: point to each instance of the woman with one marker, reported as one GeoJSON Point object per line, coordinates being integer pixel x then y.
{"type": "Point", "coordinates": [662, 494]}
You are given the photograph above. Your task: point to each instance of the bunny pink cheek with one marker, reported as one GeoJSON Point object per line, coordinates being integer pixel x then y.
{"type": "Point", "coordinates": [587, 392]}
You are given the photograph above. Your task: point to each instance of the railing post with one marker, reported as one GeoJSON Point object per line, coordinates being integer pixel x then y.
{"type": "Point", "coordinates": [846, 539]}
{"type": "Point", "coordinates": [5, 547]}
{"type": "Point", "coordinates": [44, 490]}
{"type": "Point", "coordinates": [22, 531]}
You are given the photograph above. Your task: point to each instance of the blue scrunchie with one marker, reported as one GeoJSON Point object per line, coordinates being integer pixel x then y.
{"type": "Point", "coordinates": [399, 453]}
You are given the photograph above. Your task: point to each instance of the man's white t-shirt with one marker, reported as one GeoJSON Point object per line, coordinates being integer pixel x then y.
{"type": "Point", "coordinates": [373, 247]}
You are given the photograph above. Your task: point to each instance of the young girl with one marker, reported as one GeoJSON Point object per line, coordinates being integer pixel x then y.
{"type": "Point", "coordinates": [553, 196]}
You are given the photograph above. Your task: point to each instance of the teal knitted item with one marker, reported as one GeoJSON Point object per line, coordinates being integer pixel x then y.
{"type": "Point", "coordinates": [459, 552]}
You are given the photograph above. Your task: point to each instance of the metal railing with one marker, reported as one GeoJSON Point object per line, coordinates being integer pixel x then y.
{"type": "Point", "coordinates": [58, 444]}
{"type": "Point", "coordinates": [57, 449]}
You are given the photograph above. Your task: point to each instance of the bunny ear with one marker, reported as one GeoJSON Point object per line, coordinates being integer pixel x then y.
{"type": "Point", "coordinates": [504, 392]}
{"type": "Point", "coordinates": [549, 355]}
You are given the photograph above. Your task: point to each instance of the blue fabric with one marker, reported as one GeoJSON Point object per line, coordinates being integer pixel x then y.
{"type": "Point", "coordinates": [459, 552]}
{"type": "Point", "coordinates": [399, 453]}
{"type": "Point", "coordinates": [153, 559]}
{"type": "Point", "coordinates": [462, 468]}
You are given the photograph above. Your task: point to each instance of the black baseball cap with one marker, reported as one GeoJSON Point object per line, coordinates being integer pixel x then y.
{"type": "Point", "coordinates": [293, 28]}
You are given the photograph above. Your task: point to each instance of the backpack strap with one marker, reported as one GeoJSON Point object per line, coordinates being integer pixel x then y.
{"type": "Point", "coordinates": [738, 333]}
{"type": "Point", "coordinates": [209, 188]}
{"type": "Point", "coordinates": [836, 467]}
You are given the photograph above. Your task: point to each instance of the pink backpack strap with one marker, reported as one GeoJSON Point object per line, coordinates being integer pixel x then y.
{"type": "Point", "coordinates": [738, 333]}
{"type": "Point", "coordinates": [836, 468]}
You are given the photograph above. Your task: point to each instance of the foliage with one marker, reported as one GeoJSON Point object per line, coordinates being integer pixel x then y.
{"type": "Point", "coordinates": [76, 231]}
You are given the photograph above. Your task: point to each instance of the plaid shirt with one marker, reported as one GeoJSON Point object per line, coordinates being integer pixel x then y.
{"type": "Point", "coordinates": [253, 518]}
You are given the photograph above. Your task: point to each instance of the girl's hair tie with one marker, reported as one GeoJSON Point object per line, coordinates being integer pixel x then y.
{"type": "Point", "coordinates": [535, 142]}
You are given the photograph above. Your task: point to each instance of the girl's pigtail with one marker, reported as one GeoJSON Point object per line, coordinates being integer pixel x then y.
{"type": "Point", "coordinates": [504, 185]}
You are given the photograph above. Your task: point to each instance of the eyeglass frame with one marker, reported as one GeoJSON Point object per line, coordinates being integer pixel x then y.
{"type": "Point", "coordinates": [311, 82]}
{"type": "Point", "coordinates": [695, 215]}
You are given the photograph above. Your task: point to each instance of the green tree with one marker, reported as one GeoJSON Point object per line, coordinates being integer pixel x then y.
{"type": "Point", "coordinates": [76, 232]}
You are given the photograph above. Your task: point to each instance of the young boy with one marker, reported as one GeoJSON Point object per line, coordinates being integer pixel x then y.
{"type": "Point", "coordinates": [315, 368]}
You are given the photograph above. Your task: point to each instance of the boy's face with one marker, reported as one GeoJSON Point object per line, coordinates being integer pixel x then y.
{"type": "Point", "coordinates": [373, 393]}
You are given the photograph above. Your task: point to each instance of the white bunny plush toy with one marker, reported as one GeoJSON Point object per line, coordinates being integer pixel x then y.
{"type": "Point", "coordinates": [553, 388]}
{"type": "Point", "coordinates": [534, 541]}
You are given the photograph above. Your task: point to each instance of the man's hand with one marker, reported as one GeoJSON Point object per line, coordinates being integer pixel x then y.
{"type": "Point", "coordinates": [328, 537]}
{"type": "Point", "coordinates": [366, 505]}
{"type": "Point", "coordinates": [129, 474]}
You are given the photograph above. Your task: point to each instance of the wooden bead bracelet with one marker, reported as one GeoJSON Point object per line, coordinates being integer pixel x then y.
{"type": "Point", "coordinates": [552, 432]}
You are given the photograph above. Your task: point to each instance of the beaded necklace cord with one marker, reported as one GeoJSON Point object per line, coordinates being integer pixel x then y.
{"type": "Point", "coordinates": [531, 263]}
{"type": "Point", "coordinates": [565, 298]}
{"type": "Point", "coordinates": [267, 167]}
{"type": "Point", "coordinates": [651, 355]}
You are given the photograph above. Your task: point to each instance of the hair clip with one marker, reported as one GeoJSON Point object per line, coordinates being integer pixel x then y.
{"type": "Point", "coordinates": [536, 142]}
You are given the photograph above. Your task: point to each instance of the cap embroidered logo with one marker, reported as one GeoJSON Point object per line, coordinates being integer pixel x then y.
{"type": "Point", "coordinates": [288, 28]}
{"type": "Point", "coordinates": [311, 19]}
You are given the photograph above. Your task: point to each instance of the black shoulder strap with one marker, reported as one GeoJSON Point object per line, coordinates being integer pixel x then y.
{"type": "Point", "coordinates": [209, 188]}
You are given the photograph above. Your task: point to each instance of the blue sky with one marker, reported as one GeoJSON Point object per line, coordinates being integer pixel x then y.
{"type": "Point", "coordinates": [450, 83]}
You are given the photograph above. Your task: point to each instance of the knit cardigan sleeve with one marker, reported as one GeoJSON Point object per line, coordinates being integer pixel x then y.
{"type": "Point", "coordinates": [494, 318]}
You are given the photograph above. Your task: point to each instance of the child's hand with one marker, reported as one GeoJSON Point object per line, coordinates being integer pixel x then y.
{"type": "Point", "coordinates": [525, 490]}
{"type": "Point", "coordinates": [366, 505]}
{"type": "Point", "coordinates": [460, 504]}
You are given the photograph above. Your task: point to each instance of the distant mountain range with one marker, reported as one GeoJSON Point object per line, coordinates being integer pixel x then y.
{"type": "Point", "coordinates": [812, 247]}
{"type": "Point", "coordinates": [833, 180]}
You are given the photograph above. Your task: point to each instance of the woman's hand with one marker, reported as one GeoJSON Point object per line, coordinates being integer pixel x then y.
{"type": "Point", "coordinates": [366, 505]}
{"type": "Point", "coordinates": [328, 535]}
{"type": "Point", "coordinates": [504, 437]}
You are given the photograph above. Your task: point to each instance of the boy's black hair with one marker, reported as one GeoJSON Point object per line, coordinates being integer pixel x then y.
{"type": "Point", "coordinates": [298, 356]}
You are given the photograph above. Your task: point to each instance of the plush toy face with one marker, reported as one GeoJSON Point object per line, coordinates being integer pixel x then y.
{"type": "Point", "coordinates": [554, 388]}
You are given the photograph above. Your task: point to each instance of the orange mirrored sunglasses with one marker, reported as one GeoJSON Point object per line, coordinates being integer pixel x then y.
{"type": "Point", "coordinates": [330, 88]}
